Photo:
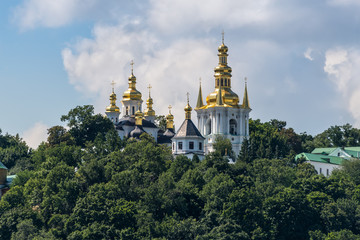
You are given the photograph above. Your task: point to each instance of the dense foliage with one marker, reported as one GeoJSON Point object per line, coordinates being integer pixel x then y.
{"type": "Point", "coordinates": [86, 183]}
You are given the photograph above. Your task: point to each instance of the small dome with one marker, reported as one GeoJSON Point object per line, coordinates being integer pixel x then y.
{"type": "Point", "coordinates": [223, 48]}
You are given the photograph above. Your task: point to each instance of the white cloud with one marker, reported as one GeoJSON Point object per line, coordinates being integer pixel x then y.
{"type": "Point", "coordinates": [44, 13]}
{"type": "Point", "coordinates": [172, 70]}
{"type": "Point", "coordinates": [35, 135]}
{"type": "Point", "coordinates": [307, 54]}
{"type": "Point", "coordinates": [343, 67]}
{"type": "Point", "coordinates": [177, 15]}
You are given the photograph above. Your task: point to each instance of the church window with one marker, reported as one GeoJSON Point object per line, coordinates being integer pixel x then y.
{"type": "Point", "coordinates": [233, 126]}
{"type": "Point", "coordinates": [208, 127]}
{"type": "Point", "coordinates": [116, 119]}
{"type": "Point", "coordinates": [225, 82]}
{"type": "Point", "coordinates": [133, 110]}
{"type": "Point", "coordinates": [222, 82]}
{"type": "Point", "coordinates": [327, 172]}
{"type": "Point", "coordinates": [127, 111]}
{"type": "Point", "coordinates": [180, 145]}
{"type": "Point", "coordinates": [191, 145]}
{"type": "Point", "coordinates": [200, 145]}
{"type": "Point", "coordinates": [338, 154]}
{"type": "Point", "coordinates": [218, 82]}
{"type": "Point", "coordinates": [173, 146]}
{"type": "Point", "coordinates": [320, 171]}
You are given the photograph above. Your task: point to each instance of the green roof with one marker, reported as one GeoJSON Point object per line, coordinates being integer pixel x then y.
{"type": "Point", "coordinates": [320, 158]}
{"type": "Point", "coordinates": [323, 150]}
{"type": "Point", "coordinates": [2, 166]}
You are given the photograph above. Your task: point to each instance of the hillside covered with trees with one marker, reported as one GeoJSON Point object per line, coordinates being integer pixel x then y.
{"type": "Point", "coordinates": [87, 183]}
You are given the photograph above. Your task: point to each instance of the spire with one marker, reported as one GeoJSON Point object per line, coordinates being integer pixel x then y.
{"type": "Point", "coordinates": [219, 100]}
{"type": "Point", "coordinates": [246, 103]}
{"type": "Point", "coordinates": [149, 102]}
{"type": "Point", "coordinates": [112, 107]}
{"type": "Point", "coordinates": [138, 117]}
{"type": "Point", "coordinates": [199, 103]}
{"type": "Point", "coordinates": [187, 108]}
{"type": "Point", "coordinates": [170, 119]}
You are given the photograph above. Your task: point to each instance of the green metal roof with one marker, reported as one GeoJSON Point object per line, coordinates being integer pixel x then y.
{"type": "Point", "coordinates": [320, 158]}
{"type": "Point", "coordinates": [3, 166]}
{"type": "Point", "coordinates": [323, 150]}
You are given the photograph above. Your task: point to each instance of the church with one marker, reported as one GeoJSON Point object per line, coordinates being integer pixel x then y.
{"type": "Point", "coordinates": [222, 114]}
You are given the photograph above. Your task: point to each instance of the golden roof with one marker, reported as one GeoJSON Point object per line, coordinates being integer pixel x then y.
{"type": "Point", "coordinates": [112, 107]}
{"type": "Point", "coordinates": [131, 93]}
{"type": "Point", "coordinates": [149, 111]}
{"type": "Point", "coordinates": [188, 109]}
{"type": "Point", "coordinates": [222, 74]}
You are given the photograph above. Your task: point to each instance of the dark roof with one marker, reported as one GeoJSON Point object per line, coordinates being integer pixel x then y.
{"type": "Point", "coordinates": [165, 137]}
{"type": "Point", "coordinates": [130, 121]}
{"type": "Point", "coordinates": [188, 129]}
{"type": "Point", "coordinates": [138, 130]}
{"type": "Point", "coordinates": [3, 166]}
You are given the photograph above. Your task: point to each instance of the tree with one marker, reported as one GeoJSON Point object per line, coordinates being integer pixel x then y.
{"type": "Point", "coordinates": [223, 146]}
{"type": "Point", "coordinates": [58, 135]}
{"type": "Point", "coordinates": [85, 126]}
{"type": "Point", "coordinates": [160, 121]}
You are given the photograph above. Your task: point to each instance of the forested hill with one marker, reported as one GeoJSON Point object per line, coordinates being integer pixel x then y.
{"type": "Point", "coordinates": [86, 183]}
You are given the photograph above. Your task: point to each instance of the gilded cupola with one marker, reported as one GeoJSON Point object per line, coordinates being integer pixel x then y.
{"type": "Point", "coordinates": [222, 74]}
{"type": "Point", "coordinates": [188, 109]}
{"type": "Point", "coordinates": [112, 107]}
{"type": "Point", "coordinates": [138, 117]}
{"type": "Point", "coordinates": [170, 120]}
{"type": "Point", "coordinates": [149, 111]}
{"type": "Point", "coordinates": [131, 93]}
{"type": "Point", "coordinates": [246, 103]}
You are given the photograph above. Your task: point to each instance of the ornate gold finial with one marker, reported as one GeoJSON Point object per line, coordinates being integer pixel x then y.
{"type": "Point", "coordinates": [132, 66]}
{"type": "Point", "coordinates": [223, 34]}
{"type": "Point", "coordinates": [170, 119]}
{"type": "Point", "coordinates": [112, 107]}
{"type": "Point", "coordinates": [149, 111]}
{"type": "Point", "coordinates": [187, 108]}
{"type": "Point", "coordinates": [245, 80]}
{"type": "Point", "coordinates": [149, 87]}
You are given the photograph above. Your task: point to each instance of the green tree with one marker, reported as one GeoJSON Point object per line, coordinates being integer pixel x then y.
{"type": "Point", "coordinates": [85, 126]}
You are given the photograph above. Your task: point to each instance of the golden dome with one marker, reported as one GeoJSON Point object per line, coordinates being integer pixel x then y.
{"type": "Point", "coordinates": [149, 111]}
{"type": "Point", "coordinates": [138, 117]}
{"type": "Point", "coordinates": [188, 109]}
{"type": "Point", "coordinates": [112, 107]}
{"type": "Point", "coordinates": [222, 74]}
{"type": "Point", "coordinates": [170, 120]}
{"type": "Point", "coordinates": [132, 93]}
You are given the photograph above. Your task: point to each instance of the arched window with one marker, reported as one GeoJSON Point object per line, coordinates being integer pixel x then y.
{"type": "Point", "coordinates": [127, 111]}
{"type": "Point", "coordinates": [233, 126]}
{"type": "Point", "coordinates": [218, 82]}
{"type": "Point", "coordinates": [208, 127]}
{"type": "Point", "coordinates": [222, 82]}
{"type": "Point", "coordinates": [225, 82]}
{"type": "Point", "coordinates": [133, 110]}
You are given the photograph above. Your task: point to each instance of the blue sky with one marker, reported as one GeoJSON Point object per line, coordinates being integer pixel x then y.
{"type": "Point", "coordinates": [301, 58]}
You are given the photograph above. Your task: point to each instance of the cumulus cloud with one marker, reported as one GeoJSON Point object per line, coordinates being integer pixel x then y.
{"type": "Point", "coordinates": [172, 69]}
{"type": "Point", "coordinates": [343, 68]}
{"type": "Point", "coordinates": [35, 135]}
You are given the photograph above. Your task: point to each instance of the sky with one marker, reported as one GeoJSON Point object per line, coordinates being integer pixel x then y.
{"type": "Point", "coordinates": [301, 58]}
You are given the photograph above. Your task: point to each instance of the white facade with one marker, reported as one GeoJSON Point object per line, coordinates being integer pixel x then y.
{"type": "Point", "coordinates": [233, 123]}
{"type": "Point", "coordinates": [324, 168]}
